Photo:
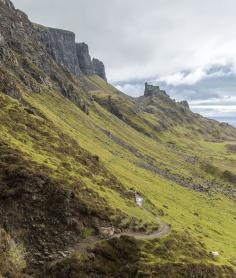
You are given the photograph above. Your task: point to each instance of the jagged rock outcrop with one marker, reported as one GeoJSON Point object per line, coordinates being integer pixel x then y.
{"type": "Point", "coordinates": [84, 58]}
{"type": "Point", "coordinates": [151, 90]}
{"type": "Point", "coordinates": [15, 27]}
{"type": "Point", "coordinates": [99, 68]}
{"type": "Point", "coordinates": [184, 103]}
{"type": "Point", "coordinates": [73, 56]}
{"type": "Point", "coordinates": [61, 46]}
{"type": "Point", "coordinates": [7, 3]}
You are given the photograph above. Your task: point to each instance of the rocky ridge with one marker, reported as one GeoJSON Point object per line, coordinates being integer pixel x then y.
{"type": "Point", "coordinates": [75, 57]}
{"type": "Point", "coordinates": [151, 90]}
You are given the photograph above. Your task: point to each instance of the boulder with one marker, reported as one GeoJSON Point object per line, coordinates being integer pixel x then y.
{"type": "Point", "coordinates": [106, 232]}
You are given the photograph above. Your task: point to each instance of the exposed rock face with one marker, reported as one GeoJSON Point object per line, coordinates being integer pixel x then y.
{"type": "Point", "coordinates": [61, 45]}
{"type": "Point", "coordinates": [99, 68]}
{"type": "Point", "coordinates": [184, 103]}
{"type": "Point", "coordinates": [2, 41]}
{"type": "Point", "coordinates": [151, 90]}
{"type": "Point", "coordinates": [73, 56]}
{"type": "Point", "coordinates": [8, 3]}
{"type": "Point", "coordinates": [84, 58]}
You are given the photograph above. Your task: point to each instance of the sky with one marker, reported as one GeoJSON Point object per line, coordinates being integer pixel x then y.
{"type": "Point", "coordinates": [187, 47]}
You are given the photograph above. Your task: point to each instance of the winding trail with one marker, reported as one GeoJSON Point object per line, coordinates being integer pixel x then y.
{"type": "Point", "coordinates": [163, 231]}
{"type": "Point", "coordinates": [83, 245]}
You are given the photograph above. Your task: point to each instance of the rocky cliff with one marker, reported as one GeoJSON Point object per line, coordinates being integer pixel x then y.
{"type": "Point", "coordinates": [75, 57]}
{"type": "Point", "coordinates": [84, 58]}
{"type": "Point", "coordinates": [155, 91]}
{"type": "Point", "coordinates": [61, 46]}
{"type": "Point", "coordinates": [151, 90]}
{"type": "Point", "coordinates": [7, 3]}
{"type": "Point", "coordinates": [99, 68]}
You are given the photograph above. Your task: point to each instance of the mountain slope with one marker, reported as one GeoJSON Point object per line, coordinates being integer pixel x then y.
{"type": "Point", "coordinates": [73, 151]}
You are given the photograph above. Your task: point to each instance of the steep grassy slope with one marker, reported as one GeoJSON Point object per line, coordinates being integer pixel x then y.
{"type": "Point", "coordinates": [129, 258]}
{"type": "Point", "coordinates": [44, 181]}
{"type": "Point", "coordinates": [209, 216]}
{"type": "Point", "coordinates": [74, 150]}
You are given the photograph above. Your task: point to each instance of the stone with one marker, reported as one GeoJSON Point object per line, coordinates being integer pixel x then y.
{"type": "Point", "coordinates": [91, 256]}
{"type": "Point", "coordinates": [106, 232]}
{"type": "Point", "coordinates": [118, 231]}
{"type": "Point", "coordinates": [84, 58]}
{"type": "Point", "coordinates": [99, 68]}
{"type": "Point", "coordinates": [85, 109]}
{"type": "Point", "coordinates": [62, 254]}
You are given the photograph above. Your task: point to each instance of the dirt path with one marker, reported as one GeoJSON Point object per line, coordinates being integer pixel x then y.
{"type": "Point", "coordinates": [164, 230]}
{"type": "Point", "coordinates": [82, 246]}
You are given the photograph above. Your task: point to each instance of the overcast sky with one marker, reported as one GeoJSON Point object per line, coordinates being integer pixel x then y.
{"type": "Point", "coordinates": [186, 46]}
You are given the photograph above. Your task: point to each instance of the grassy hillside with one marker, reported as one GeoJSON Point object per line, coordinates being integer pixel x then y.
{"type": "Point", "coordinates": [50, 130]}
{"type": "Point", "coordinates": [74, 150]}
{"type": "Point", "coordinates": [209, 216]}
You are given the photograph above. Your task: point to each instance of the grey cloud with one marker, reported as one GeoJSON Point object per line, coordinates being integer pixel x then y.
{"type": "Point", "coordinates": [138, 38]}
{"type": "Point", "coordinates": [149, 40]}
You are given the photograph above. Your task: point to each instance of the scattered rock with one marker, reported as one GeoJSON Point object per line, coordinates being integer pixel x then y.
{"type": "Point", "coordinates": [91, 256]}
{"type": "Point", "coordinates": [61, 253]}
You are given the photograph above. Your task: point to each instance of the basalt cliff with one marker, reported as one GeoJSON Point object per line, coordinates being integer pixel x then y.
{"type": "Point", "coordinates": [61, 45]}
{"type": "Point", "coordinates": [96, 183]}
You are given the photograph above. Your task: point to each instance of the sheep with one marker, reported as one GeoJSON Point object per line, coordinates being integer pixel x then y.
{"type": "Point", "coordinates": [214, 254]}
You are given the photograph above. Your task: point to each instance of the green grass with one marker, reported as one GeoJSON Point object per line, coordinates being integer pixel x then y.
{"type": "Point", "coordinates": [215, 224]}
{"type": "Point", "coordinates": [209, 219]}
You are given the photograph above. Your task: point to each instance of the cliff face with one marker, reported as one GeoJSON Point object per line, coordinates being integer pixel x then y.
{"type": "Point", "coordinates": [99, 68]}
{"type": "Point", "coordinates": [84, 58]}
{"type": "Point", "coordinates": [15, 28]}
{"type": "Point", "coordinates": [151, 90]}
{"type": "Point", "coordinates": [61, 46]}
